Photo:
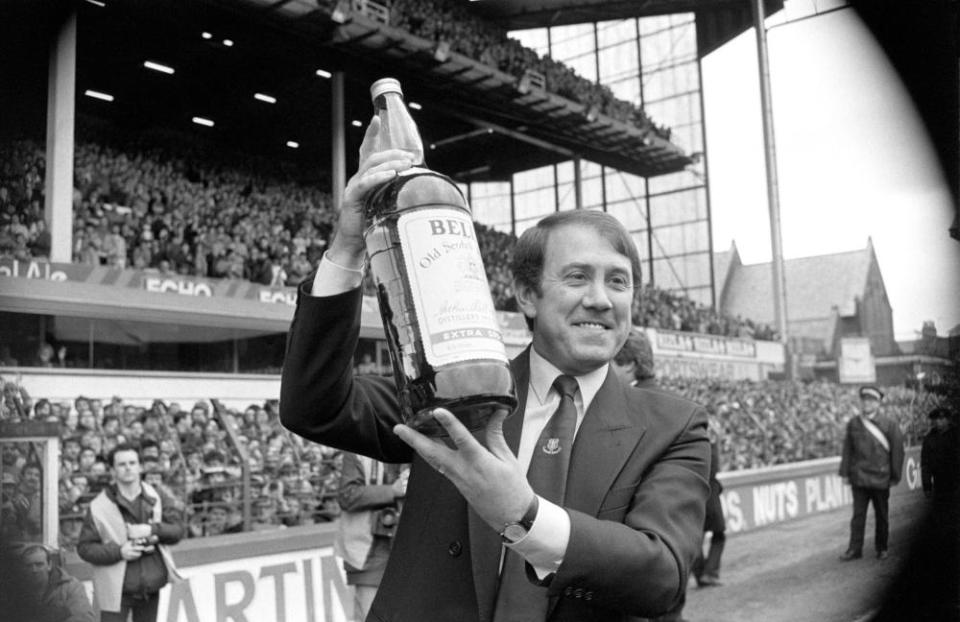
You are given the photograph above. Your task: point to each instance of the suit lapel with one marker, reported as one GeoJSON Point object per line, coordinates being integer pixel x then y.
{"type": "Point", "coordinates": [606, 439]}
{"type": "Point", "coordinates": [485, 544]}
{"type": "Point", "coordinates": [608, 435]}
{"type": "Point", "coordinates": [514, 423]}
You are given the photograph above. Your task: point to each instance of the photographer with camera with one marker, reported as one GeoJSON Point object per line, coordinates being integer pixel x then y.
{"type": "Point", "coordinates": [124, 536]}
{"type": "Point", "coordinates": [371, 496]}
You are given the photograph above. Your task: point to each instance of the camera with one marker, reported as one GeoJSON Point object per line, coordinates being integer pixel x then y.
{"type": "Point", "coordinates": [386, 522]}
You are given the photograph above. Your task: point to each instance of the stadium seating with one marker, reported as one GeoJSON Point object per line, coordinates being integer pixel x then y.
{"type": "Point", "coordinates": [143, 205]}
{"type": "Point", "coordinates": [294, 482]}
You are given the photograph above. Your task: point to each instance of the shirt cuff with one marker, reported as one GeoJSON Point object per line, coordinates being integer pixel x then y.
{"type": "Point", "coordinates": [545, 544]}
{"type": "Point", "coordinates": [332, 278]}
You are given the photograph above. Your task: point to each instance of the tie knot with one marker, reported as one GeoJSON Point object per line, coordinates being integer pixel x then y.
{"type": "Point", "coordinates": [566, 385]}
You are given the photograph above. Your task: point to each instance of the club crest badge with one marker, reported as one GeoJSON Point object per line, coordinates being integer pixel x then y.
{"type": "Point", "coordinates": [552, 446]}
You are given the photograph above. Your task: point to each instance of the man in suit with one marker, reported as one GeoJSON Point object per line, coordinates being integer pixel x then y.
{"type": "Point", "coordinates": [618, 541]}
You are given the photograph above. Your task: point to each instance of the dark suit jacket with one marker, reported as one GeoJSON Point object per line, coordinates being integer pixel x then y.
{"type": "Point", "coordinates": [864, 460]}
{"type": "Point", "coordinates": [635, 494]}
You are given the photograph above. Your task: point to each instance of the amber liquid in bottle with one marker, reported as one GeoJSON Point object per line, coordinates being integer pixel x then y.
{"type": "Point", "coordinates": [445, 347]}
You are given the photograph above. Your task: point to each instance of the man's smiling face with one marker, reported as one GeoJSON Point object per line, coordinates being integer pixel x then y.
{"type": "Point", "coordinates": [582, 312]}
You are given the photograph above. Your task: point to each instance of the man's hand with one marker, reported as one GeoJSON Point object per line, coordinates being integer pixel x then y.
{"type": "Point", "coordinates": [21, 503]}
{"type": "Point", "coordinates": [130, 551]}
{"type": "Point", "coordinates": [400, 484]}
{"type": "Point", "coordinates": [489, 478]}
{"type": "Point", "coordinates": [375, 168]}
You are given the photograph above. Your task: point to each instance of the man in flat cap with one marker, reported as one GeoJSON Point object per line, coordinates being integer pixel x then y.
{"type": "Point", "coordinates": [871, 463]}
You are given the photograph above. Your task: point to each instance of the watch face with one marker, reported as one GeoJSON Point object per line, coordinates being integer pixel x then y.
{"type": "Point", "coordinates": [514, 532]}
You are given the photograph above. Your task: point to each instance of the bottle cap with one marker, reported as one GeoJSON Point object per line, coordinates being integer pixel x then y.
{"type": "Point", "coordinates": [385, 85]}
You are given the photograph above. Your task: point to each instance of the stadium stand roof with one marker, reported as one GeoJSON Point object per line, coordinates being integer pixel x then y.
{"type": "Point", "coordinates": [134, 316]}
{"type": "Point", "coordinates": [481, 126]}
{"type": "Point", "coordinates": [718, 21]}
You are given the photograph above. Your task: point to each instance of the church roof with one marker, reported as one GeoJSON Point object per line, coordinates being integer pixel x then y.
{"type": "Point", "coordinates": [815, 286]}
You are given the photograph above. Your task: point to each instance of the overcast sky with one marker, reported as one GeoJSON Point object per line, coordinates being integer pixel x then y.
{"type": "Point", "coordinates": [853, 161]}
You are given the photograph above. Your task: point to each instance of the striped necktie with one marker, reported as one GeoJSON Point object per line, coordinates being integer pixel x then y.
{"type": "Point", "coordinates": [519, 600]}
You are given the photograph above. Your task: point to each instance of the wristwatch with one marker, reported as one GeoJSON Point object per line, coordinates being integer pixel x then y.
{"type": "Point", "coordinates": [514, 532]}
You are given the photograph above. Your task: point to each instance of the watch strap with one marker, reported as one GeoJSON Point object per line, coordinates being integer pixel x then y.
{"type": "Point", "coordinates": [525, 522]}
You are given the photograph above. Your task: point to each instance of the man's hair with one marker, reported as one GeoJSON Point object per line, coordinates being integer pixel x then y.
{"type": "Point", "coordinates": [118, 449]}
{"type": "Point", "coordinates": [531, 248]}
{"type": "Point", "coordinates": [637, 350]}
{"type": "Point", "coordinates": [108, 418]}
{"type": "Point", "coordinates": [149, 442]}
{"type": "Point", "coordinates": [31, 548]}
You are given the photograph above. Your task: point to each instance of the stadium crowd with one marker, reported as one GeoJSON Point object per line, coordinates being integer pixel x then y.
{"type": "Point", "coordinates": [188, 452]}
{"type": "Point", "coordinates": [143, 206]}
{"type": "Point", "coordinates": [185, 453]}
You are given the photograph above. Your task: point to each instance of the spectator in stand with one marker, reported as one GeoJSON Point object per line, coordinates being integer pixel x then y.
{"type": "Point", "coordinates": [28, 502]}
{"type": "Point", "coordinates": [115, 247]}
{"type": "Point", "coordinates": [149, 450]}
{"type": "Point", "coordinates": [265, 514]}
{"type": "Point", "coordinates": [41, 591]}
{"type": "Point", "coordinates": [7, 359]}
{"type": "Point", "coordinates": [87, 421]}
{"type": "Point", "coordinates": [15, 401]}
{"type": "Point", "coordinates": [152, 422]}
{"type": "Point", "coordinates": [110, 426]}
{"type": "Point", "coordinates": [216, 520]}
{"type": "Point", "coordinates": [134, 432]}
{"type": "Point", "coordinates": [71, 524]}
{"type": "Point", "coordinates": [43, 411]}
{"type": "Point", "coordinates": [70, 449]}
{"type": "Point", "coordinates": [86, 459]}
{"type": "Point", "coordinates": [216, 483]}
{"type": "Point", "coordinates": [154, 475]}
{"type": "Point", "coordinates": [11, 508]}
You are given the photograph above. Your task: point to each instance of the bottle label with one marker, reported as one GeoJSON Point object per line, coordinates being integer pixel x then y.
{"type": "Point", "coordinates": [451, 296]}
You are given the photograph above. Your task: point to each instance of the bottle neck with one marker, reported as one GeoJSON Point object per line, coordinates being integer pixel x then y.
{"type": "Point", "coordinates": [397, 128]}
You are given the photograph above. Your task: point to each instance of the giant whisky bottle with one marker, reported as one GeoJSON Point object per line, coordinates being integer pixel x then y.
{"type": "Point", "coordinates": [444, 340]}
